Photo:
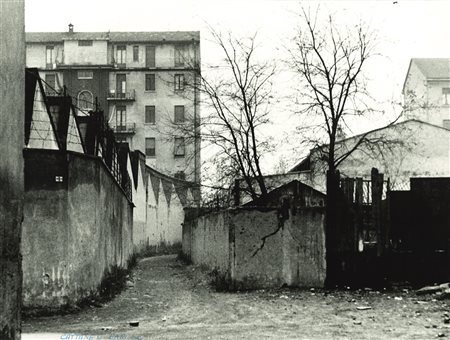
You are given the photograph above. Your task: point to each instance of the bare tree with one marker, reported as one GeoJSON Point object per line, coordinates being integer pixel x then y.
{"type": "Point", "coordinates": [235, 97]}
{"type": "Point", "coordinates": [331, 62]}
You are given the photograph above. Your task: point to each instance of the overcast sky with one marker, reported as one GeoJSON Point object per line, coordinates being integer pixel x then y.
{"type": "Point", "coordinates": [407, 28]}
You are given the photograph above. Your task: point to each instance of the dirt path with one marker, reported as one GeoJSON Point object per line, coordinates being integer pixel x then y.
{"type": "Point", "coordinates": [173, 301]}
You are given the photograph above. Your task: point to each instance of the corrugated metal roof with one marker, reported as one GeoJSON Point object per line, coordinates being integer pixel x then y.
{"type": "Point", "coordinates": [436, 68]}
{"type": "Point", "coordinates": [175, 36]}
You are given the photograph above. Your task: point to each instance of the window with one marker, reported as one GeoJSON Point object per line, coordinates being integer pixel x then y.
{"type": "Point", "coordinates": [179, 114]}
{"type": "Point", "coordinates": [49, 56]}
{"type": "Point", "coordinates": [179, 55]}
{"type": "Point", "coordinates": [150, 117]}
{"type": "Point", "coordinates": [179, 82]}
{"type": "Point", "coordinates": [149, 82]}
{"type": "Point", "coordinates": [85, 74]}
{"type": "Point", "coordinates": [121, 85]}
{"type": "Point", "coordinates": [135, 53]}
{"type": "Point", "coordinates": [121, 55]}
{"type": "Point", "coordinates": [85, 100]}
{"type": "Point", "coordinates": [446, 123]}
{"type": "Point", "coordinates": [150, 56]}
{"type": "Point", "coordinates": [150, 147]}
{"type": "Point", "coordinates": [446, 96]}
{"type": "Point", "coordinates": [84, 42]}
{"type": "Point", "coordinates": [50, 84]}
{"type": "Point", "coordinates": [179, 147]}
{"type": "Point", "coordinates": [121, 118]}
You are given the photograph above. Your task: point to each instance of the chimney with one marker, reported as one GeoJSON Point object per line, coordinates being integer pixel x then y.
{"type": "Point", "coordinates": [70, 28]}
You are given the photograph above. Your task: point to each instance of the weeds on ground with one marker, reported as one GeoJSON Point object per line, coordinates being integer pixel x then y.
{"type": "Point", "coordinates": [220, 281]}
{"type": "Point", "coordinates": [183, 258]}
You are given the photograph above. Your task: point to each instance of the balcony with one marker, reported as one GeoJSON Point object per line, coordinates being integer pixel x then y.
{"type": "Point", "coordinates": [123, 96]}
{"type": "Point", "coordinates": [126, 128]}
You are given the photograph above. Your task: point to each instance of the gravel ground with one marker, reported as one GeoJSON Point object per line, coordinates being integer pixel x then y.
{"type": "Point", "coordinates": [173, 301]}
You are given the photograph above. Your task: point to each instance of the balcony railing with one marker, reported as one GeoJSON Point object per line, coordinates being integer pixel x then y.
{"type": "Point", "coordinates": [129, 128]}
{"type": "Point", "coordinates": [112, 95]}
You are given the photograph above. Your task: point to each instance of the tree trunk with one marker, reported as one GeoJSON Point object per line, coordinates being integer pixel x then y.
{"type": "Point", "coordinates": [331, 229]}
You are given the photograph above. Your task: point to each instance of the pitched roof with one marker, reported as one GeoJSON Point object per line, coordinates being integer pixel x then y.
{"type": "Point", "coordinates": [305, 162]}
{"type": "Point", "coordinates": [435, 68]}
{"type": "Point", "coordinates": [175, 36]}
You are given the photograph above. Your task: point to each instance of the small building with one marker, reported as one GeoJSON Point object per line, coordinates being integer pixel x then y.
{"type": "Point", "coordinates": [426, 91]}
{"type": "Point", "coordinates": [411, 148]}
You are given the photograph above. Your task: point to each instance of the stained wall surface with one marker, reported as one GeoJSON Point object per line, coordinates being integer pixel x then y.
{"type": "Point", "coordinates": [78, 224]}
{"type": "Point", "coordinates": [258, 248]}
{"type": "Point", "coordinates": [12, 92]}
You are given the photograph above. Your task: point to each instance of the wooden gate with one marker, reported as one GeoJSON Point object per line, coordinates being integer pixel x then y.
{"type": "Point", "coordinates": [357, 230]}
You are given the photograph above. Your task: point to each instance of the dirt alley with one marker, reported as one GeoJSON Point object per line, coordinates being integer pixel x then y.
{"type": "Point", "coordinates": [174, 301]}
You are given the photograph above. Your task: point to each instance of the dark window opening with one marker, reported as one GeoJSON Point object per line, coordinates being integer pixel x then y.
{"type": "Point", "coordinates": [84, 42]}
{"type": "Point", "coordinates": [121, 118]}
{"type": "Point", "coordinates": [179, 55]}
{"type": "Point", "coordinates": [179, 114]}
{"type": "Point", "coordinates": [150, 56]}
{"type": "Point", "coordinates": [50, 84]}
{"type": "Point", "coordinates": [150, 116]}
{"type": "Point", "coordinates": [179, 147]}
{"type": "Point", "coordinates": [135, 53]}
{"type": "Point", "coordinates": [150, 147]}
{"type": "Point", "coordinates": [150, 82]}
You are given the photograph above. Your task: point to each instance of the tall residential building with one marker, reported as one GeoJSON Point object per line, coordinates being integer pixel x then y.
{"type": "Point", "coordinates": [144, 81]}
{"type": "Point", "coordinates": [426, 91]}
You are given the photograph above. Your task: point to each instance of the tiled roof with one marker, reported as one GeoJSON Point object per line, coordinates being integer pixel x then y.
{"type": "Point", "coordinates": [37, 37]}
{"type": "Point", "coordinates": [154, 36]}
{"type": "Point", "coordinates": [433, 67]}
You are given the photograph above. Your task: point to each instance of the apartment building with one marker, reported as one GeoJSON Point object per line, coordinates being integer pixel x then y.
{"type": "Point", "coordinates": [426, 91]}
{"type": "Point", "coordinates": [143, 81]}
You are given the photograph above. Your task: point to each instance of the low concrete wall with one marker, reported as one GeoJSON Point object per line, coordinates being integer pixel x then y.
{"type": "Point", "coordinates": [210, 241]}
{"type": "Point", "coordinates": [78, 224]}
{"type": "Point", "coordinates": [235, 242]}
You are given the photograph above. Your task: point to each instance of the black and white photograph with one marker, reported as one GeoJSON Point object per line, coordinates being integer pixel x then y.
{"type": "Point", "coordinates": [254, 169]}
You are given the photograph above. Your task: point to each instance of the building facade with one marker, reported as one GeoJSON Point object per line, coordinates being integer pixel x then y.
{"type": "Point", "coordinates": [426, 91]}
{"type": "Point", "coordinates": [145, 82]}
{"type": "Point", "coordinates": [400, 151]}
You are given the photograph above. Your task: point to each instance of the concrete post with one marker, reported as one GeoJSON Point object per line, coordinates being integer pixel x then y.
{"type": "Point", "coordinates": [12, 113]}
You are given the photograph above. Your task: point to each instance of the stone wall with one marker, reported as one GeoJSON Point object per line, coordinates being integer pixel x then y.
{"type": "Point", "coordinates": [12, 90]}
{"type": "Point", "coordinates": [78, 224]}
